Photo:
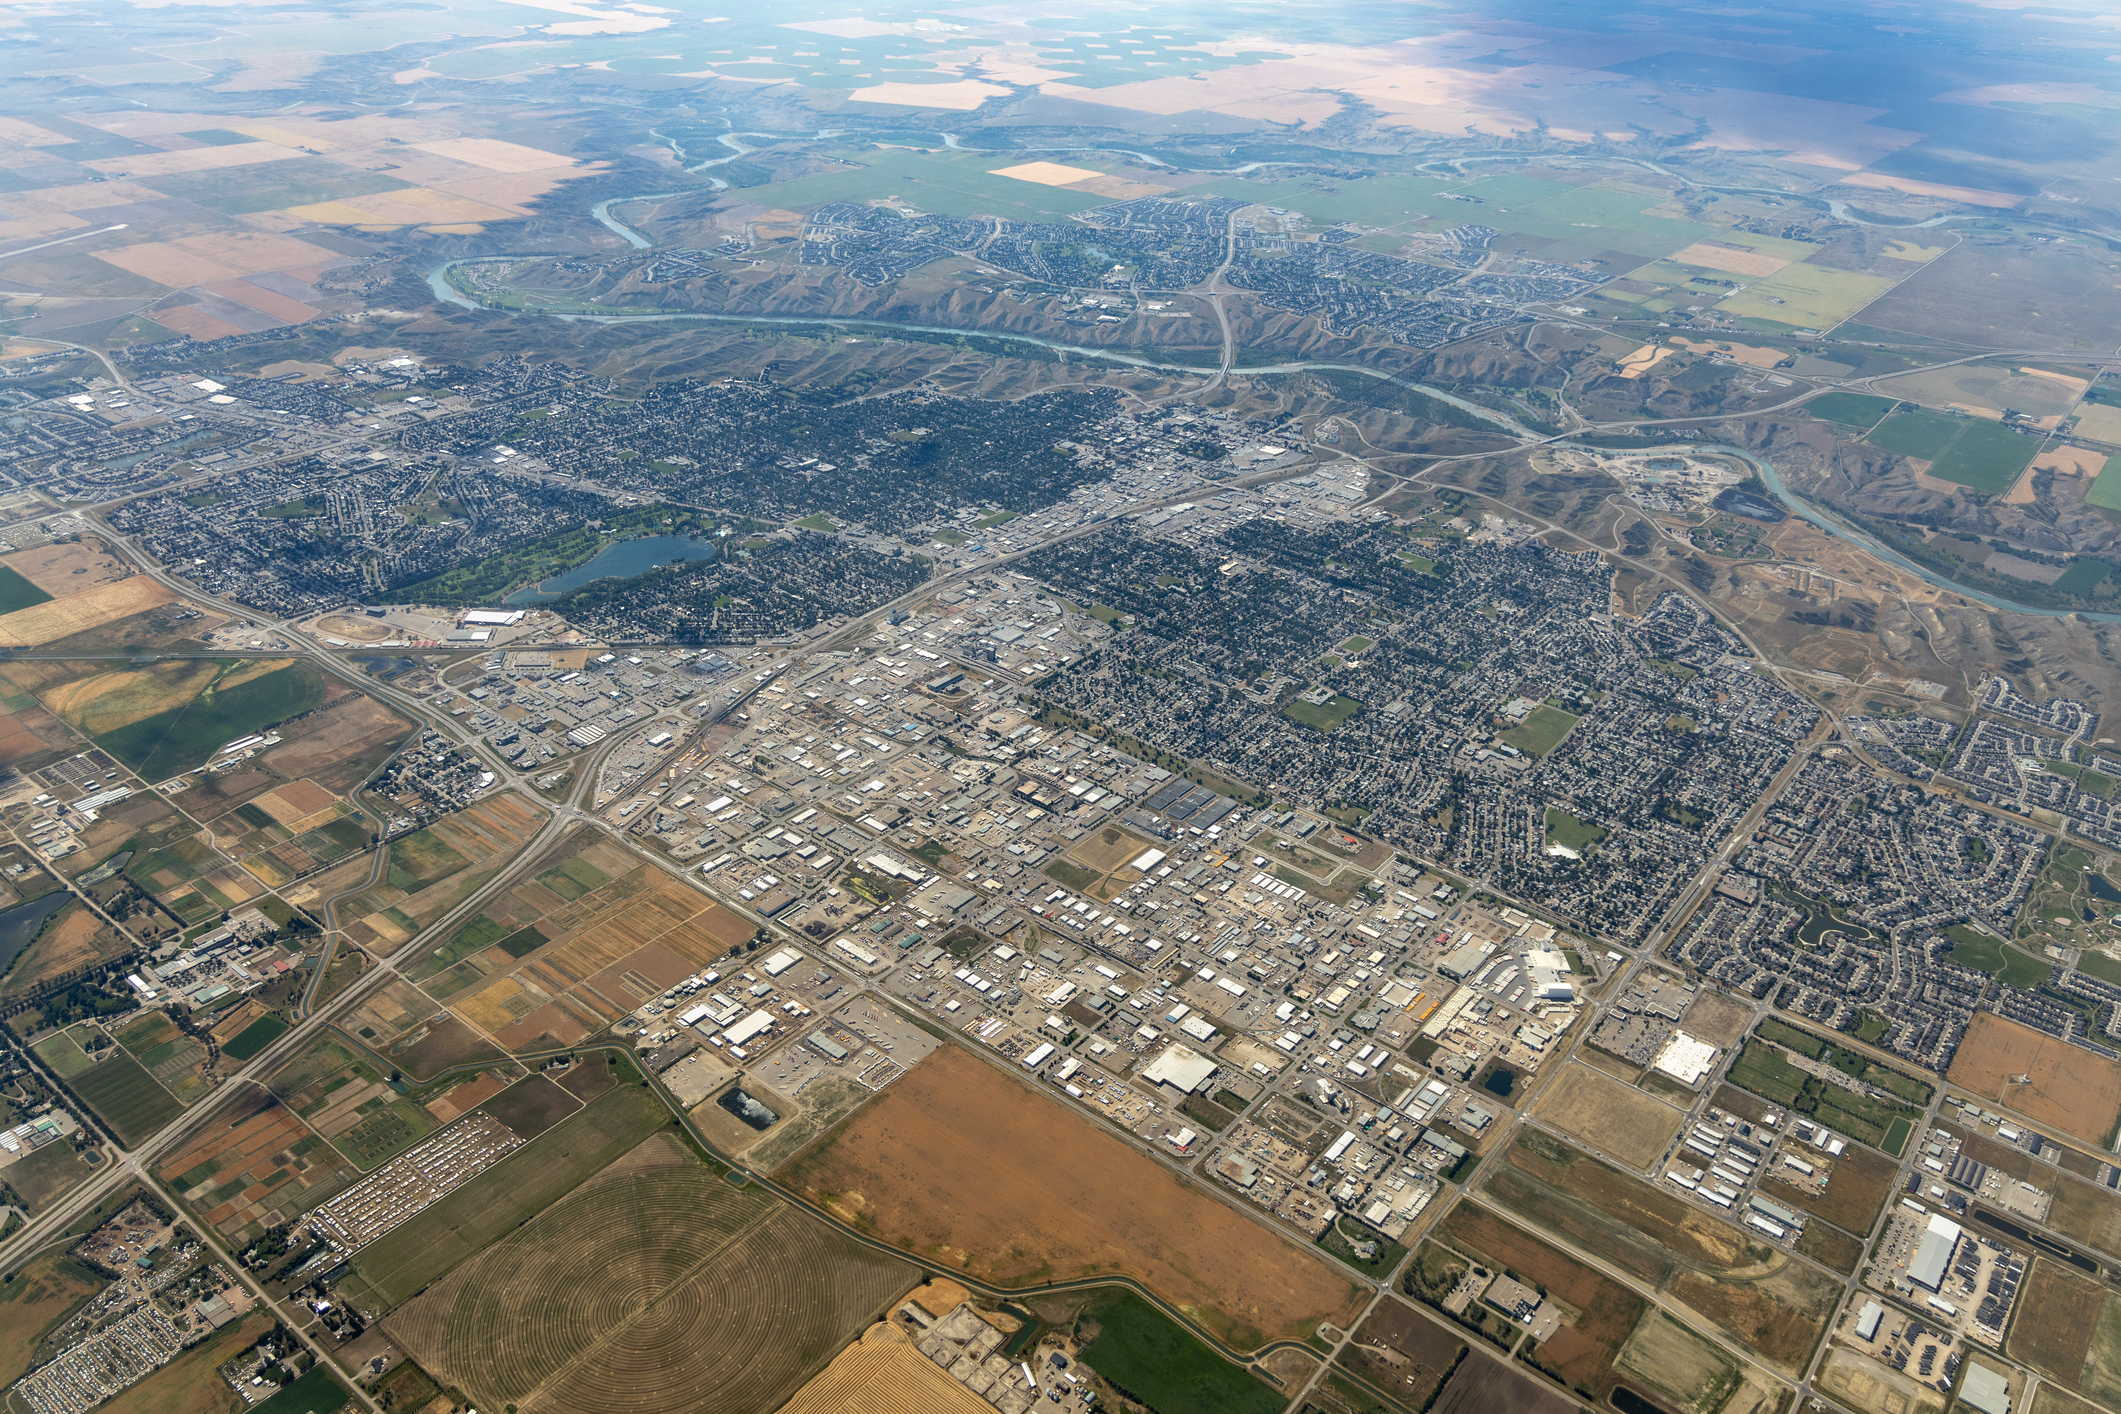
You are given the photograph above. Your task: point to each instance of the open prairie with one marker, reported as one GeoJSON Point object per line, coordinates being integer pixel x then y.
{"type": "Point", "coordinates": [951, 1163]}
{"type": "Point", "coordinates": [657, 1285]}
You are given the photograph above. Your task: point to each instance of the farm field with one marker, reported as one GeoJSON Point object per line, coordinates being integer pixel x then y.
{"type": "Point", "coordinates": [656, 1285]}
{"type": "Point", "coordinates": [71, 938]}
{"type": "Point", "coordinates": [2068, 1328]}
{"type": "Point", "coordinates": [884, 1371]}
{"type": "Point", "coordinates": [166, 1053]}
{"type": "Point", "coordinates": [1581, 1355]}
{"type": "Point", "coordinates": [1805, 297]}
{"type": "Point", "coordinates": [430, 870]}
{"type": "Point", "coordinates": [1614, 1119]}
{"type": "Point", "coordinates": [2070, 1090]}
{"type": "Point", "coordinates": [504, 1196]}
{"type": "Point", "coordinates": [131, 1101]}
{"type": "Point", "coordinates": [618, 939]}
{"type": "Point", "coordinates": [246, 697]}
{"type": "Point", "coordinates": [1859, 411]}
{"type": "Point", "coordinates": [1777, 1309]}
{"type": "Point", "coordinates": [1675, 1364]}
{"type": "Point", "coordinates": [1140, 1349]}
{"type": "Point", "coordinates": [33, 1300]}
{"type": "Point", "coordinates": [1488, 1386]}
{"type": "Point", "coordinates": [38, 624]}
{"type": "Point", "coordinates": [342, 1095]}
{"type": "Point", "coordinates": [946, 1162]}
{"type": "Point", "coordinates": [258, 1170]}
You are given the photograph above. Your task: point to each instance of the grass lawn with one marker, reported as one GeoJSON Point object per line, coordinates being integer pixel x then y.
{"type": "Point", "coordinates": [820, 521]}
{"type": "Point", "coordinates": [1985, 954]}
{"type": "Point", "coordinates": [1421, 564]}
{"type": "Point", "coordinates": [18, 593]}
{"type": "Point", "coordinates": [1569, 832]}
{"type": "Point", "coordinates": [1857, 410]}
{"type": "Point", "coordinates": [1324, 718]}
{"type": "Point", "coordinates": [1540, 732]}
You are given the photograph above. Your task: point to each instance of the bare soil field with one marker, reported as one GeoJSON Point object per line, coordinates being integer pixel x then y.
{"type": "Point", "coordinates": [950, 1162]}
{"type": "Point", "coordinates": [2070, 1089]}
{"type": "Point", "coordinates": [1857, 1186]}
{"type": "Point", "coordinates": [64, 569]}
{"type": "Point", "coordinates": [1616, 1120]}
{"type": "Point", "coordinates": [1863, 1383]}
{"type": "Point", "coordinates": [40, 624]}
{"type": "Point", "coordinates": [657, 1285]}
{"type": "Point", "coordinates": [1484, 1385]}
{"type": "Point", "coordinates": [1404, 1353]}
{"type": "Point", "coordinates": [296, 800]}
{"type": "Point", "coordinates": [1717, 1019]}
{"type": "Point", "coordinates": [1580, 1354]}
{"type": "Point", "coordinates": [2088, 1212]}
{"type": "Point", "coordinates": [341, 744]}
{"type": "Point", "coordinates": [2057, 1318]}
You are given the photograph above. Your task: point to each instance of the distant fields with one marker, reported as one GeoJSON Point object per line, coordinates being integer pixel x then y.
{"type": "Point", "coordinates": [130, 1100]}
{"type": "Point", "coordinates": [955, 186]}
{"type": "Point", "coordinates": [172, 742]}
{"type": "Point", "coordinates": [1973, 451]}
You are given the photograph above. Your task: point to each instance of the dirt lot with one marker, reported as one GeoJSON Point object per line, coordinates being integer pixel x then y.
{"type": "Point", "coordinates": [2057, 1318]}
{"type": "Point", "coordinates": [60, 570]}
{"type": "Point", "coordinates": [1487, 1386]}
{"type": "Point", "coordinates": [1717, 1019]}
{"type": "Point", "coordinates": [340, 744]}
{"type": "Point", "coordinates": [2070, 1090]}
{"type": "Point", "coordinates": [77, 613]}
{"type": "Point", "coordinates": [1615, 1120]}
{"type": "Point", "coordinates": [1581, 1353]}
{"type": "Point", "coordinates": [953, 1161]}
{"type": "Point", "coordinates": [1404, 1353]}
{"type": "Point", "coordinates": [1857, 1186]}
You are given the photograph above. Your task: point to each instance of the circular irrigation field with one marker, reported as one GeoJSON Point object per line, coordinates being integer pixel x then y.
{"type": "Point", "coordinates": [656, 1286]}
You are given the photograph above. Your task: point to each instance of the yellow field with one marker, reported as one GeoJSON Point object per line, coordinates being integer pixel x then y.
{"type": "Point", "coordinates": [108, 701]}
{"type": "Point", "coordinates": [40, 624]}
{"type": "Point", "coordinates": [1813, 296]}
{"type": "Point", "coordinates": [882, 1373]}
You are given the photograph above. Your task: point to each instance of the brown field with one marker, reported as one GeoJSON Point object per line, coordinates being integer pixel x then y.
{"type": "Point", "coordinates": [294, 801]}
{"type": "Point", "coordinates": [2057, 1317]}
{"type": "Point", "coordinates": [2051, 1399]}
{"type": "Point", "coordinates": [1717, 1019]}
{"type": "Point", "coordinates": [484, 836]}
{"type": "Point", "coordinates": [260, 1169]}
{"type": "Point", "coordinates": [1704, 255]}
{"type": "Point", "coordinates": [1616, 1120]}
{"type": "Point", "coordinates": [188, 1384]}
{"type": "Point", "coordinates": [1857, 1187]}
{"type": "Point", "coordinates": [338, 745]}
{"type": "Point", "coordinates": [40, 624]}
{"type": "Point", "coordinates": [1774, 1305]}
{"type": "Point", "coordinates": [65, 569]}
{"type": "Point", "coordinates": [74, 937]}
{"type": "Point", "coordinates": [883, 1373]}
{"type": "Point", "coordinates": [1484, 1385]}
{"type": "Point", "coordinates": [103, 702]}
{"type": "Point", "coordinates": [463, 1099]}
{"type": "Point", "coordinates": [2088, 1212]}
{"type": "Point", "coordinates": [2070, 1089]}
{"type": "Point", "coordinates": [1863, 1383]}
{"type": "Point", "coordinates": [644, 924]}
{"type": "Point", "coordinates": [655, 1286]}
{"type": "Point", "coordinates": [1422, 1353]}
{"type": "Point", "coordinates": [952, 1163]}
{"type": "Point", "coordinates": [203, 259]}
{"type": "Point", "coordinates": [1581, 1354]}
{"type": "Point", "coordinates": [34, 1300]}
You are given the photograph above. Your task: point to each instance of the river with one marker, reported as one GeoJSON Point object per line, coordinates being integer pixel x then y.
{"type": "Point", "coordinates": [621, 560]}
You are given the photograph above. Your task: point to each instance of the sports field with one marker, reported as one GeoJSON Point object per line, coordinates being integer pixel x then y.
{"type": "Point", "coordinates": [950, 1162]}
{"type": "Point", "coordinates": [657, 1285]}
{"type": "Point", "coordinates": [1325, 718]}
{"type": "Point", "coordinates": [1616, 1120]}
{"type": "Point", "coordinates": [2069, 1089]}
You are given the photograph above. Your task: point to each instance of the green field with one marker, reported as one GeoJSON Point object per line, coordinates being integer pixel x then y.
{"type": "Point", "coordinates": [956, 186]}
{"type": "Point", "coordinates": [318, 1392]}
{"type": "Point", "coordinates": [1857, 410]}
{"type": "Point", "coordinates": [1812, 297]}
{"type": "Point", "coordinates": [1324, 718]}
{"type": "Point", "coordinates": [254, 1038]}
{"type": "Point", "coordinates": [271, 186]}
{"type": "Point", "coordinates": [1165, 1366]}
{"type": "Point", "coordinates": [18, 593]}
{"type": "Point", "coordinates": [2105, 490]}
{"type": "Point", "coordinates": [1985, 456]}
{"type": "Point", "coordinates": [421, 858]}
{"type": "Point", "coordinates": [63, 1055]}
{"type": "Point", "coordinates": [1916, 432]}
{"type": "Point", "coordinates": [1540, 732]}
{"type": "Point", "coordinates": [1569, 832]}
{"type": "Point", "coordinates": [173, 742]}
{"type": "Point", "coordinates": [2081, 578]}
{"type": "Point", "coordinates": [131, 1101]}
{"type": "Point", "coordinates": [1985, 954]}
{"type": "Point", "coordinates": [506, 1195]}
{"type": "Point", "coordinates": [1365, 201]}
{"type": "Point", "coordinates": [1769, 1074]}
{"type": "Point", "coordinates": [1605, 217]}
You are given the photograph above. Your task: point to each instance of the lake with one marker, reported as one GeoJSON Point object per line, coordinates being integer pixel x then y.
{"type": "Point", "coordinates": [621, 560]}
{"type": "Point", "coordinates": [19, 925]}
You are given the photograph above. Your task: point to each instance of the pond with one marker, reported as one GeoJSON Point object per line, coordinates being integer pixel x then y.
{"type": "Point", "coordinates": [19, 925]}
{"type": "Point", "coordinates": [622, 560]}
{"type": "Point", "coordinates": [747, 1109]}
